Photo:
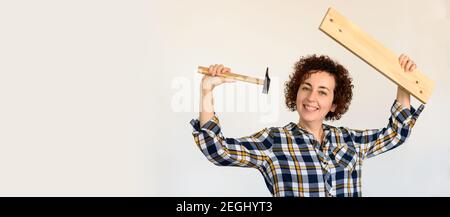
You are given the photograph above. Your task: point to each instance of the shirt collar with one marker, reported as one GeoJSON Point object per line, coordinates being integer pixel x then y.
{"type": "Point", "coordinates": [293, 126]}
{"type": "Point", "coordinates": [297, 130]}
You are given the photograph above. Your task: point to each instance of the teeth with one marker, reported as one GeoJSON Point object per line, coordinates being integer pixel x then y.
{"type": "Point", "coordinates": [310, 108]}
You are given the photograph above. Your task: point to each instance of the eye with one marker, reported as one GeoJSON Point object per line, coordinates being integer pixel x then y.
{"type": "Point", "coordinates": [305, 88]}
{"type": "Point", "coordinates": [322, 93]}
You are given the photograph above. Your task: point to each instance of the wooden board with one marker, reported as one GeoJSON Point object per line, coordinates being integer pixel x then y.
{"type": "Point", "coordinates": [375, 54]}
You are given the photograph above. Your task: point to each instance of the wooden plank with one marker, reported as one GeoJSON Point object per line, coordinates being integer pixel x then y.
{"type": "Point", "coordinates": [375, 54]}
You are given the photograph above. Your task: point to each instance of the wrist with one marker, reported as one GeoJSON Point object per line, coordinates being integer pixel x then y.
{"type": "Point", "coordinates": [206, 87]}
{"type": "Point", "coordinates": [401, 92]}
{"type": "Point", "coordinates": [404, 97]}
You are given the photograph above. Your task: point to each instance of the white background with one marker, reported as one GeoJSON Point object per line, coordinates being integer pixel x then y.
{"type": "Point", "coordinates": [89, 92]}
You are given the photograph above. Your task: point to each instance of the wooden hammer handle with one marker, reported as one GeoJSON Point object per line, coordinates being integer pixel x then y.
{"type": "Point", "coordinates": [205, 71]}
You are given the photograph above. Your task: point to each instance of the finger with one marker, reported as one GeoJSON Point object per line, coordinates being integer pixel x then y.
{"type": "Point", "coordinates": [408, 65]}
{"type": "Point", "coordinates": [214, 71]}
{"type": "Point", "coordinates": [400, 58]}
{"type": "Point", "coordinates": [405, 63]}
{"type": "Point", "coordinates": [413, 67]}
{"type": "Point", "coordinates": [226, 70]}
{"type": "Point", "coordinates": [219, 69]}
{"type": "Point", "coordinates": [403, 60]}
{"type": "Point", "coordinates": [210, 69]}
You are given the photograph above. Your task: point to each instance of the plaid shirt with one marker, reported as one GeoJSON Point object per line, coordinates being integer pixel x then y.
{"type": "Point", "coordinates": [293, 163]}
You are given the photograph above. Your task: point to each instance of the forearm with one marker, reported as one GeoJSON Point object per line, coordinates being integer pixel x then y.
{"type": "Point", "coordinates": [248, 151]}
{"type": "Point", "coordinates": [206, 105]}
{"type": "Point", "coordinates": [212, 79]}
{"type": "Point", "coordinates": [398, 129]}
{"type": "Point", "coordinates": [403, 97]}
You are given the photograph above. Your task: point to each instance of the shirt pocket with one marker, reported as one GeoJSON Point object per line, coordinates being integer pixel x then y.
{"type": "Point", "coordinates": [345, 156]}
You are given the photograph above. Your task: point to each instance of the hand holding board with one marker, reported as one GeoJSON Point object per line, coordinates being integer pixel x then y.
{"type": "Point", "coordinates": [372, 52]}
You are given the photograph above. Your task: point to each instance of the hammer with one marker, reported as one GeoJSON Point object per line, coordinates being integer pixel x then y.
{"type": "Point", "coordinates": [239, 77]}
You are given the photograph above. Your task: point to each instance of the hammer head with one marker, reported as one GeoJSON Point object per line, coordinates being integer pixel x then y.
{"type": "Point", "coordinates": [266, 82]}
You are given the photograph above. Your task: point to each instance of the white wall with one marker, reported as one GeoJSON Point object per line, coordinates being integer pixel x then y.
{"type": "Point", "coordinates": [96, 96]}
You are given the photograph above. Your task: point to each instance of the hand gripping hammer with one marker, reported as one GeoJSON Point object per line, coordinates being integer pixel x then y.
{"type": "Point", "coordinates": [240, 77]}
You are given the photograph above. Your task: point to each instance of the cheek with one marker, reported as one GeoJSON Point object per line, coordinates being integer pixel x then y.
{"type": "Point", "coordinates": [300, 97]}
{"type": "Point", "coordinates": [327, 102]}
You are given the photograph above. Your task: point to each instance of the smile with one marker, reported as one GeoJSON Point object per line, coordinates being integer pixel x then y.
{"type": "Point", "coordinates": [310, 108]}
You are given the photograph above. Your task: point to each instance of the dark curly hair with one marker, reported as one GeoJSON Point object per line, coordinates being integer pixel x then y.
{"type": "Point", "coordinates": [311, 64]}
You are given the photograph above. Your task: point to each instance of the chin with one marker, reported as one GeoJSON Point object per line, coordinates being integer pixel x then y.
{"type": "Point", "coordinates": [309, 118]}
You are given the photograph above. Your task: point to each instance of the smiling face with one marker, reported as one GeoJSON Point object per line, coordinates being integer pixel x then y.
{"type": "Point", "coordinates": [315, 97]}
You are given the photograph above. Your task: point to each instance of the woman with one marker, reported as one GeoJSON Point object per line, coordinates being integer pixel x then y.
{"type": "Point", "coordinates": [308, 158]}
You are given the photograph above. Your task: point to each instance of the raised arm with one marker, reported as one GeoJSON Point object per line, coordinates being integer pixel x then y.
{"type": "Point", "coordinates": [403, 117]}
{"type": "Point", "coordinates": [374, 142]}
{"type": "Point", "coordinates": [248, 151]}
{"type": "Point", "coordinates": [209, 82]}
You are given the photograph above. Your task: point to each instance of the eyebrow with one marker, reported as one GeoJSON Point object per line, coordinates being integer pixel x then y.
{"type": "Point", "coordinates": [319, 86]}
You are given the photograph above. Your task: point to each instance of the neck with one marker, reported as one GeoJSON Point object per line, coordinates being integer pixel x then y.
{"type": "Point", "coordinates": [313, 127]}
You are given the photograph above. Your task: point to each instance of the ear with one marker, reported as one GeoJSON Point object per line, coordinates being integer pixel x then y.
{"type": "Point", "coordinates": [333, 108]}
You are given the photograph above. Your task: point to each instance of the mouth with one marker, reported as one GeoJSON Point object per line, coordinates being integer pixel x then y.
{"type": "Point", "coordinates": [310, 108]}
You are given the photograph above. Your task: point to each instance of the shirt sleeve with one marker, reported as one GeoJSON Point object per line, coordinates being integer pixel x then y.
{"type": "Point", "coordinates": [248, 151]}
{"type": "Point", "coordinates": [377, 141]}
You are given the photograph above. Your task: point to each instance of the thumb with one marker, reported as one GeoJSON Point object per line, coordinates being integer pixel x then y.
{"type": "Point", "coordinates": [229, 80]}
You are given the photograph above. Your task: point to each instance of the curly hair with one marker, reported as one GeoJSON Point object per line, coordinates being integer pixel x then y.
{"type": "Point", "coordinates": [311, 64]}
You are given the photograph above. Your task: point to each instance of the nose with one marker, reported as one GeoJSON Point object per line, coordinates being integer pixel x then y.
{"type": "Point", "coordinates": [312, 96]}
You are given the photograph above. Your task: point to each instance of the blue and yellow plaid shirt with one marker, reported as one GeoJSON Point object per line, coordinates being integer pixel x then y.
{"type": "Point", "coordinates": [293, 163]}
